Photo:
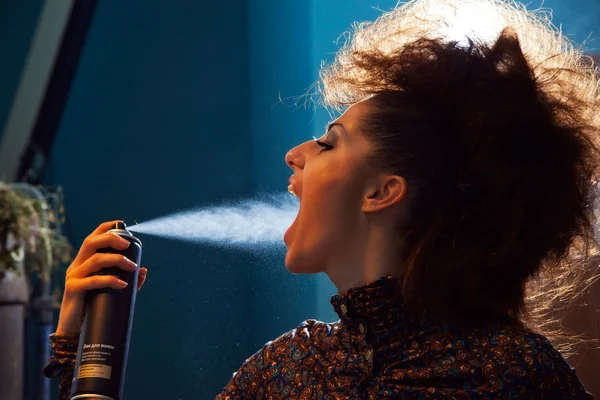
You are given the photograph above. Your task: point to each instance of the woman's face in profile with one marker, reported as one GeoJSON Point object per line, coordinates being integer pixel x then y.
{"type": "Point", "coordinates": [331, 179]}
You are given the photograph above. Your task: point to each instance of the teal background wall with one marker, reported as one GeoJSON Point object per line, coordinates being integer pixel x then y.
{"type": "Point", "coordinates": [580, 20]}
{"type": "Point", "coordinates": [177, 105]}
{"type": "Point", "coordinates": [18, 20]}
{"type": "Point", "coordinates": [157, 122]}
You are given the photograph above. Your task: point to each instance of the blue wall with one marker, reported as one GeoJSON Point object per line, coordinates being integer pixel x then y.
{"type": "Point", "coordinates": [157, 121]}
{"type": "Point", "coordinates": [18, 20]}
{"type": "Point", "coordinates": [178, 106]}
{"type": "Point", "coordinates": [580, 20]}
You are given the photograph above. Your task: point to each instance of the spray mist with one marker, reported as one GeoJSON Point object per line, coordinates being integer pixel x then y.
{"type": "Point", "coordinates": [106, 331]}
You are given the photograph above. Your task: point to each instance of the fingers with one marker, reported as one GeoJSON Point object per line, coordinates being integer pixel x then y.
{"type": "Point", "coordinates": [80, 275]}
{"type": "Point", "coordinates": [142, 277]}
{"type": "Point", "coordinates": [95, 242]}
{"type": "Point", "coordinates": [105, 227]}
{"type": "Point", "coordinates": [99, 261]}
{"type": "Point", "coordinates": [82, 286]}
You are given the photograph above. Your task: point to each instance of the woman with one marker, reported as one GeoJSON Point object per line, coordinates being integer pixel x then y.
{"type": "Point", "coordinates": [461, 170]}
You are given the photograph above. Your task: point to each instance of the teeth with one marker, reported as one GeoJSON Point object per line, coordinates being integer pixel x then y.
{"type": "Point", "coordinates": [291, 190]}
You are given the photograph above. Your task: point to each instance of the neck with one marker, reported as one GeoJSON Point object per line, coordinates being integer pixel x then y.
{"type": "Point", "coordinates": [366, 259]}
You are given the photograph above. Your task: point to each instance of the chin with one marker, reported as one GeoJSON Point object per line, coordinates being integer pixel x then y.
{"type": "Point", "coordinates": [299, 264]}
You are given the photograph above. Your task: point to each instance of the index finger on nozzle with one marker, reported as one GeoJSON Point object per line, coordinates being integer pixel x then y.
{"type": "Point", "coordinates": [107, 226]}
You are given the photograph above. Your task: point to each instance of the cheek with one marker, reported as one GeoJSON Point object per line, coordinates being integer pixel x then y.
{"type": "Point", "coordinates": [328, 220]}
{"type": "Point", "coordinates": [331, 202]}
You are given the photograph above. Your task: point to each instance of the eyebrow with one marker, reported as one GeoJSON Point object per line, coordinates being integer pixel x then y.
{"type": "Point", "coordinates": [331, 125]}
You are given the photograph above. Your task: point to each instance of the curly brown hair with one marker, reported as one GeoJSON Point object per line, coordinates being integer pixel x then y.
{"type": "Point", "coordinates": [498, 140]}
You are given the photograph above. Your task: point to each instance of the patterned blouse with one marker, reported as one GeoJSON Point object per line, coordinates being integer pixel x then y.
{"type": "Point", "coordinates": [374, 352]}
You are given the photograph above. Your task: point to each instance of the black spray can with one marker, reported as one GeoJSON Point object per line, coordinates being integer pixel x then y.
{"type": "Point", "coordinates": [104, 340]}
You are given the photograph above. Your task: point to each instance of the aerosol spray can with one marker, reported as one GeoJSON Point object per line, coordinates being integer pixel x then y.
{"type": "Point", "coordinates": [104, 340]}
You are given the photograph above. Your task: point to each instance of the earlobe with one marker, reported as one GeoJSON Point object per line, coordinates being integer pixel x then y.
{"type": "Point", "coordinates": [391, 191]}
{"type": "Point", "coordinates": [371, 201]}
{"type": "Point", "coordinates": [370, 205]}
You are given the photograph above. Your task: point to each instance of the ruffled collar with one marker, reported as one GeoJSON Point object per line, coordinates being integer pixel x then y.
{"type": "Point", "coordinates": [377, 305]}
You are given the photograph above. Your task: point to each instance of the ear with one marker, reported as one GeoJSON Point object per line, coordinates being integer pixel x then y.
{"type": "Point", "coordinates": [388, 191]}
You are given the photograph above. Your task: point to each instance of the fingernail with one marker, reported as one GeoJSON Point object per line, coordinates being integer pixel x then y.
{"type": "Point", "coordinates": [122, 284]}
{"type": "Point", "coordinates": [123, 242]}
{"type": "Point", "coordinates": [132, 265]}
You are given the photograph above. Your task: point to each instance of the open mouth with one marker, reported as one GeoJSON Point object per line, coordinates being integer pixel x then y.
{"type": "Point", "coordinates": [291, 190]}
{"type": "Point", "coordinates": [288, 233]}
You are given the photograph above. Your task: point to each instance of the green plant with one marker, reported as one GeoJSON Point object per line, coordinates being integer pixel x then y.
{"type": "Point", "coordinates": [22, 235]}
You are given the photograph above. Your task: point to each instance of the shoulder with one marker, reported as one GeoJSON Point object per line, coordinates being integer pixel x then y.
{"type": "Point", "coordinates": [532, 351]}
{"type": "Point", "coordinates": [300, 341]}
{"type": "Point", "coordinates": [275, 362]}
{"type": "Point", "coordinates": [295, 344]}
{"type": "Point", "coordinates": [527, 361]}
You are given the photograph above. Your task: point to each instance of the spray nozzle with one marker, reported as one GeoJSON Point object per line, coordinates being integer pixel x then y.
{"type": "Point", "coordinates": [120, 228]}
{"type": "Point", "coordinates": [120, 225]}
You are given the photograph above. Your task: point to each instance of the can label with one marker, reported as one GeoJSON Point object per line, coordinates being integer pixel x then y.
{"type": "Point", "coordinates": [94, 371]}
{"type": "Point", "coordinates": [94, 360]}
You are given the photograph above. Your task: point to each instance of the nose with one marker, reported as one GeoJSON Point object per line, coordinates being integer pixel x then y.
{"type": "Point", "coordinates": [295, 158]}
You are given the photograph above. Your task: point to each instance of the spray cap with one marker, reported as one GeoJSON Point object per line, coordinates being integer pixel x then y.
{"type": "Point", "coordinates": [120, 228]}
{"type": "Point", "coordinates": [120, 225]}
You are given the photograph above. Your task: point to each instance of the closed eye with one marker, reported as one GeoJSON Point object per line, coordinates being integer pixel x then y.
{"type": "Point", "coordinates": [326, 146]}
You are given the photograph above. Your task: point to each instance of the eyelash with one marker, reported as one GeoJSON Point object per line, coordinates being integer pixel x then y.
{"type": "Point", "coordinates": [326, 146]}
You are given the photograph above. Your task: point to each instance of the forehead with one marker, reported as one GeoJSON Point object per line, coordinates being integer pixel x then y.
{"type": "Point", "coordinates": [352, 116]}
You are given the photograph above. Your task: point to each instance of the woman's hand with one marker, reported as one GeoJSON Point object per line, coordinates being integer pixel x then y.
{"type": "Point", "coordinates": [80, 279]}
